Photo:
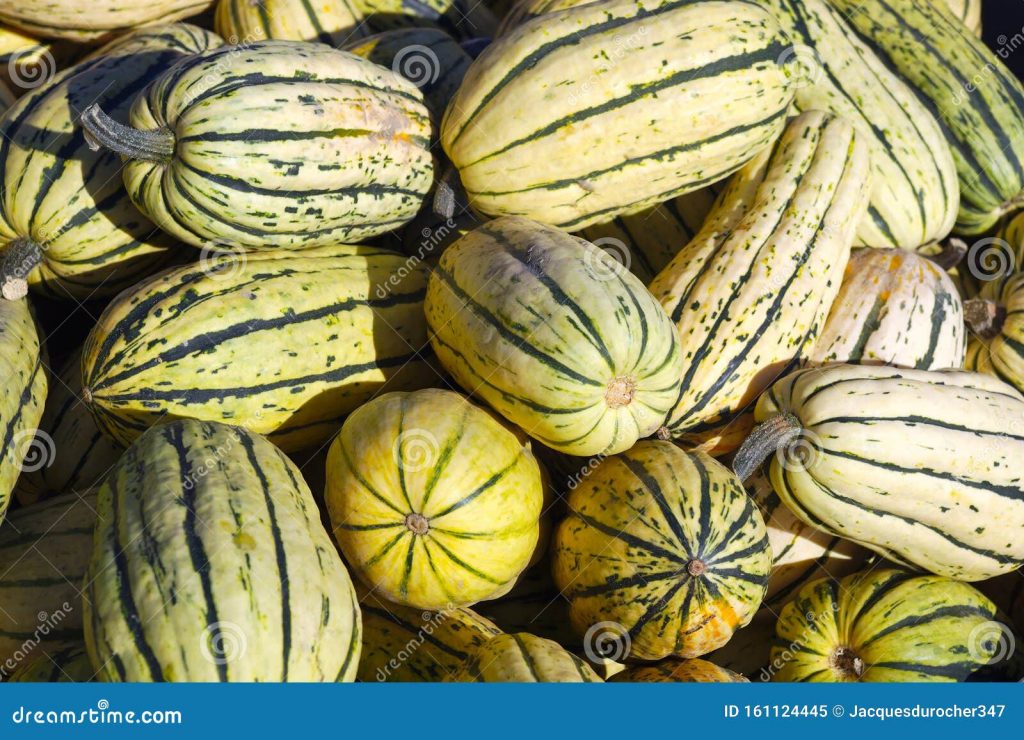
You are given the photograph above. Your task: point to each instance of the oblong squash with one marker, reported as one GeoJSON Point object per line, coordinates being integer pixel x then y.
{"type": "Point", "coordinates": [463, 19]}
{"type": "Point", "coordinates": [87, 20]}
{"type": "Point", "coordinates": [68, 664]}
{"type": "Point", "coordinates": [894, 307]}
{"type": "Point", "coordinates": [914, 193]}
{"type": "Point", "coordinates": [540, 97]}
{"type": "Point", "coordinates": [349, 143]}
{"type": "Point", "coordinates": [750, 293]}
{"type": "Point", "coordinates": [332, 22]}
{"type": "Point", "coordinates": [665, 547]}
{"type": "Point", "coordinates": [676, 670]}
{"type": "Point", "coordinates": [996, 318]}
{"type": "Point", "coordinates": [331, 327]}
{"type": "Point", "coordinates": [524, 658]}
{"type": "Point", "coordinates": [210, 564]}
{"type": "Point", "coordinates": [67, 226]}
{"type": "Point", "coordinates": [924, 468]}
{"type": "Point", "coordinates": [977, 100]}
{"type": "Point", "coordinates": [885, 625]}
{"type": "Point", "coordinates": [555, 335]}
{"type": "Point", "coordinates": [433, 501]}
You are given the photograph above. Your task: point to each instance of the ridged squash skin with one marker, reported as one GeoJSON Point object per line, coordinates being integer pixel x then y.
{"type": "Point", "coordinates": [556, 335]}
{"type": "Point", "coordinates": [800, 553]}
{"type": "Point", "coordinates": [285, 344]}
{"type": "Point", "coordinates": [429, 58]}
{"type": "Point", "coordinates": [22, 394]}
{"type": "Point", "coordinates": [894, 307]}
{"type": "Point", "coordinates": [915, 193]}
{"type": "Point", "coordinates": [88, 20]}
{"type": "Point", "coordinates": [750, 293]}
{"type": "Point", "coordinates": [68, 664]}
{"type": "Point", "coordinates": [977, 100]}
{"type": "Point", "coordinates": [666, 544]}
{"type": "Point", "coordinates": [76, 453]}
{"type": "Point", "coordinates": [967, 11]}
{"type": "Point", "coordinates": [210, 564]}
{"type": "Point", "coordinates": [432, 500]}
{"type": "Point", "coordinates": [924, 468]}
{"type": "Point", "coordinates": [606, 79]}
{"type": "Point", "coordinates": [403, 643]}
{"type": "Point", "coordinates": [884, 625]}
{"type": "Point", "coordinates": [462, 19]}
{"type": "Point", "coordinates": [67, 199]}
{"type": "Point", "coordinates": [332, 22]}
{"type": "Point", "coordinates": [675, 670]}
{"type": "Point", "coordinates": [43, 553]}
{"type": "Point", "coordinates": [348, 139]}
{"type": "Point", "coordinates": [646, 242]}
{"type": "Point", "coordinates": [524, 658]}
{"type": "Point", "coordinates": [1000, 352]}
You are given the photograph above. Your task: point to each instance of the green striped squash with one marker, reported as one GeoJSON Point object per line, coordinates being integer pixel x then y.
{"type": "Point", "coordinates": [887, 626]}
{"type": "Point", "coordinates": [664, 547]}
{"type": "Point", "coordinates": [925, 468]}
{"type": "Point", "coordinates": [676, 670]}
{"type": "Point", "coordinates": [996, 318]}
{"type": "Point", "coordinates": [1012, 232]}
{"type": "Point", "coordinates": [555, 335]}
{"type": "Point", "coordinates": [349, 143]}
{"type": "Point", "coordinates": [977, 100]}
{"type": "Point", "coordinates": [427, 57]}
{"type": "Point", "coordinates": [88, 20]}
{"type": "Point", "coordinates": [432, 500]}
{"type": "Point", "coordinates": [331, 327]}
{"type": "Point", "coordinates": [800, 553]}
{"type": "Point", "coordinates": [22, 395]}
{"type": "Point", "coordinates": [43, 553]}
{"type": "Point", "coordinates": [967, 11]}
{"type": "Point", "coordinates": [894, 307]}
{"type": "Point", "coordinates": [463, 19]}
{"type": "Point", "coordinates": [66, 225]}
{"type": "Point", "coordinates": [68, 664]}
{"type": "Point", "coordinates": [526, 10]}
{"type": "Point", "coordinates": [332, 22]}
{"type": "Point", "coordinates": [914, 193]}
{"type": "Point", "coordinates": [210, 564]}
{"type": "Point", "coordinates": [403, 643]}
{"type": "Point", "coordinates": [524, 658]}
{"type": "Point", "coordinates": [750, 292]}
{"type": "Point", "coordinates": [646, 242]}
{"type": "Point", "coordinates": [574, 118]}
{"type": "Point", "coordinates": [75, 454]}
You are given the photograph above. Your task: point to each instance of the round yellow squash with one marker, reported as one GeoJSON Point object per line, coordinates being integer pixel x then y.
{"type": "Point", "coordinates": [524, 658]}
{"type": "Point", "coordinates": [676, 670]}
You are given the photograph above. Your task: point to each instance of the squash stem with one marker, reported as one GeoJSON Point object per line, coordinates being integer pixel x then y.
{"type": "Point", "coordinates": [101, 130]}
{"type": "Point", "coordinates": [985, 317]}
{"type": "Point", "coordinates": [20, 257]}
{"type": "Point", "coordinates": [763, 440]}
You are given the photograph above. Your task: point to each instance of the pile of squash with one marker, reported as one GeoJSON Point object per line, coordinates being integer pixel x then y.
{"type": "Point", "coordinates": [544, 341]}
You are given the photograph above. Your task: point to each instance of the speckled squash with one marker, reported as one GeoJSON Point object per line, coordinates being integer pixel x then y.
{"type": "Point", "coordinates": [676, 670]}
{"type": "Point", "coordinates": [556, 335]}
{"type": "Point", "coordinates": [996, 318]}
{"type": "Point", "coordinates": [433, 501]}
{"type": "Point", "coordinates": [332, 22]}
{"type": "Point", "coordinates": [210, 564]}
{"type": "Point", "coordinates": [680, 577]}
{"type": "Point", "coordinates": [895, 308]}
{"type": "Point", "coordinates": [887, 626]}
{"type": "Point", "coordinates": [88, 20]}
{"type": "Point", "coordinates": [68, 664]}
{"type": "Point", "coordinates": [524, 658]}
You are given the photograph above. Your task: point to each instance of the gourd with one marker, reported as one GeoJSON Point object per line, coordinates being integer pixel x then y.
{"type": "Point", "coordinates": [210, 564]}
{"type": "Point", "coordinates": [675, 670]}
{"type": "Point", "coordinates": [524, 658]}
{"type": "Point", "coordinates": [555, 335]}
{"type": "Point", "coordinates": [331, 22]}
{"type": "Point", "coordinates": [549, 125]}
{"type": "Point", "coordinates": [334, 148]}
{"type": "Point", "coordinates": [996, 320]}
{"type": "Point", "coordinates": [434, 502]}
{"type": "Point", "coordinates": [664, 548]}
{"type": "Point", "coordinates": [925, 468]}
{"type": "Point", "coordinates": [750, 293]}
{"type": "Point", "coordinates": [88, 20]}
